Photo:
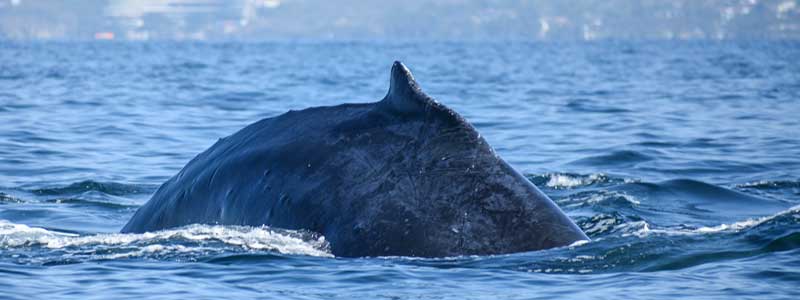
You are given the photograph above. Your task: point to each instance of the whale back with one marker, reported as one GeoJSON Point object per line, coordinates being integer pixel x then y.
{"type": "Point", "coordinates": [403, 176]}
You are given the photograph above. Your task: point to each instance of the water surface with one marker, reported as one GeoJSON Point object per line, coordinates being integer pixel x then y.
{"type": "Point", "coordinates": [681, 160]}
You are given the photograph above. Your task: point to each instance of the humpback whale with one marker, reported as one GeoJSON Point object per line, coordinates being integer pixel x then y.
{"type": "Point", "coordinates": [404, 176]}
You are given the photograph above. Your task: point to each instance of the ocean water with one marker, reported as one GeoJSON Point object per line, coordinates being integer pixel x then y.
{"type": "Point", "coordinates": [681, 160]}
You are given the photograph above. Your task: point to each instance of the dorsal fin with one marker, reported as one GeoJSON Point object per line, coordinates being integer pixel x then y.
{"type": "Point", "coordinates": [404, 95]}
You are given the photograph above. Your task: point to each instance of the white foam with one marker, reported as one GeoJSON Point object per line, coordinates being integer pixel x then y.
{"type": "Point", "coordinates": [642, 228]}
{"type": "Point", "coordinates": [738, 226]}
{"type": "Point", "coordinates": [597, 198]}
{"type": "Point", "coordinates": [558, 180]}
{"type": "Point", "coordinates": [638, 228]}
{"type": "Point", "coordinates": [600, 197]}
{"type": "Point", "coordinates": [578, 243]}
{"type": "Point", "coordinates": [754, 184]}
{"type": "Point", "coordinates": [14, 235]}
{"type": "Point", "coordinates": [249, 238]}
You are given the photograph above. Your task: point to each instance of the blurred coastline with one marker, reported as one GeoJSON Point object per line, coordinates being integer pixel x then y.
{"type": "Point", "coordinates": [457, 20]}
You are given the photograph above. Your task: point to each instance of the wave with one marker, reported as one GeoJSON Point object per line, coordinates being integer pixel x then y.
{"type": "Point", "coordinates": [700, 201]}
{"type": "Point", "coordinates": [586, 105]}
{"type": "Point", "coordinates": [770, 185]}
{"type": "Point", "coordinates": [599, 202]}
{"type": "Point", "coordinates": [103, 202]}
{"type": "Point", "coordinates": [696, 188]}
{"type": "Point", "coordinates": [613, 199]}
{"type": "Point", "coordinates": [570, 180]}
{"type": "Point", "coordinates": [642, 228]}
{"type": "Point", "coordinates": [615, 226]}
{"type": "Point", "coordinates": [601, 224]}
{"type": "Point", "coordinates": [93, 202]}
{"type": "Point", "coordinates": [574, 180]}
{"type": "Point", "coordinates": [187, 242]}
{"type": "Point", "coordinates": [638, 246]}
{"type": "Point", "coordinates": [622, 158]}
{"type": "Point", "coordinates": [110, 188]}
{"type": "Point", "coordinates": [6, 198]}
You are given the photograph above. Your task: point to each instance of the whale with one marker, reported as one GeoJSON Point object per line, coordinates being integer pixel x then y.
{"type": "Point", "coordinates": [404, 176]}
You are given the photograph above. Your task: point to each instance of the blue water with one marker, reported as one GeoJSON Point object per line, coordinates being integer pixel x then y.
{"type": "Point", "coordinates": [681, 160]}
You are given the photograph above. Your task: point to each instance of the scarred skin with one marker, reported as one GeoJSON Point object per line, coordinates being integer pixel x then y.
{"type": "Point", "coordinates": [404, 176]}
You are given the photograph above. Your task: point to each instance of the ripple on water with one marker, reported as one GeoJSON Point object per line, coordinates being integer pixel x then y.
{"type": "Point", "coordinates": [617, 158]}
{"type": "Point", "coordinates": [111, 188]}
